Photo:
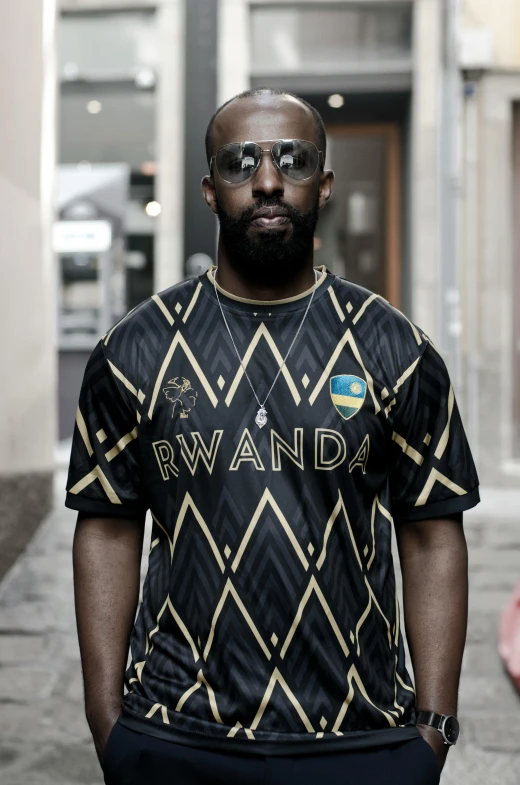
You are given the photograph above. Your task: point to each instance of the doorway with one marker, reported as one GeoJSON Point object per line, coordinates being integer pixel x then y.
{"type": "Point", "coordinates": [359, 231]}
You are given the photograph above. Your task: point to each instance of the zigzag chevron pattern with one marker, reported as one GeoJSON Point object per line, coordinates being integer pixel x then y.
{"type": "Point", "coordinates": [232, 606]}
{"type": "Point", "coordinates": [269, 610]}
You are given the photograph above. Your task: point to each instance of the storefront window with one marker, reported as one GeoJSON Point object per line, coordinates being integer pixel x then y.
{"type": "Point", "coordinates": [107, 46]}
{"type": "Point", "coordinates": [108, 67]}
{"type": "Point", "coordinates": [325, 36]}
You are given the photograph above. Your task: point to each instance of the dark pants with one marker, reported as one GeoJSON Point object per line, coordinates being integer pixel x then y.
{"type": "Point", "coordinates": [139, 759]}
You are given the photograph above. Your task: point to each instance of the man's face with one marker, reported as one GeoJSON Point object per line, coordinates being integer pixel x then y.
{"type": "Point", "coordinates": [280, 239]}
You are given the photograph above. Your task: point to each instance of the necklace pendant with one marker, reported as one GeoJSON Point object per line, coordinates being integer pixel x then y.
{"type": "Point", "coordinates": [261, 417]}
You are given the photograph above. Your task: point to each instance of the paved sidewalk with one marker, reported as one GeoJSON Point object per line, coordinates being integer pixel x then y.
{"type": "Point", "coordinates": [44, 736]}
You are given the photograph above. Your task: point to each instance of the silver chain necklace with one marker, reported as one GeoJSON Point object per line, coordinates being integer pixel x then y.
{"type": "Point", "coordinates": [261, 415]}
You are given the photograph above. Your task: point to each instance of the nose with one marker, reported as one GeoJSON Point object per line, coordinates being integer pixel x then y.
{"type": "Point", "coordinates": [267, 180]}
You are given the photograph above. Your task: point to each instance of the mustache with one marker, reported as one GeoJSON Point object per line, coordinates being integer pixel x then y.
{"type": "Point", "coordinates": [247, 216]}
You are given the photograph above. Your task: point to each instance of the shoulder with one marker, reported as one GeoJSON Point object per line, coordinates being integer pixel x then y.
{"type": "Point", "coordinates": [370, 312]}
{"type": "Point", "coordinates": [156, 311]}
{"type": "Point", "coordinates": [138, 340]}
{"type": "Point", "coordinates": [386, 336]}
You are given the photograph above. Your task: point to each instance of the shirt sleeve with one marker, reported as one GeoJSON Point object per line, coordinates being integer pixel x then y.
{"type": "Point", "coordinates": [433, 473]}
{"type": "Point", "coordinates": [104, 475]}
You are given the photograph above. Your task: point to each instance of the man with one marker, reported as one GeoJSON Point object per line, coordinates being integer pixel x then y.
{"type": "Point", "coordinates": [277, 421]}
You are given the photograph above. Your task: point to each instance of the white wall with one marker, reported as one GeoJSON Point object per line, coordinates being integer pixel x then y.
{"type": "Point", "coordinates": [425, 180]}
{"type": "Point", "coordinates": [169, 255]}
{"type": "Point", "coordinates": [27, 282]}
{"type": "Point", "coordinates": [495, 268]}
{"type": "Point", "coordinates": [233, 47]}
{"type": "Point", "coordinates": [103, 5]}
{"type": "Point", "coordinates": [502, 18]}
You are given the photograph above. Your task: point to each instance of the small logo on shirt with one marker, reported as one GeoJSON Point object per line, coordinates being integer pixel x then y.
{"type": "Point", "coordinates": [182, 395]}
{"type": "Point", "coordinates": [347, 393]}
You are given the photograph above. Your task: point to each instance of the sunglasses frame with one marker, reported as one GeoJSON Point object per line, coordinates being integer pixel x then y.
{"type": "Point", "coordinates": [321, 161]}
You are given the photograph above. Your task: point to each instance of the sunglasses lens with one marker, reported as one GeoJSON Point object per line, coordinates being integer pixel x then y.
{"type": "Point", "coordinates": [295, 158]}
{"type": "Point", "coordinates": [237, 162]}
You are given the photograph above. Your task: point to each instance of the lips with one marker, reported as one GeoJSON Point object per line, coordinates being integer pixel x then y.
{"type": "Point", "coordinates": [270, 218]}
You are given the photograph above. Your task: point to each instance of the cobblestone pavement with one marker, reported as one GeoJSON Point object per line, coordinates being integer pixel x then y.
{"type": "Point", "coordinates": [44, 736]}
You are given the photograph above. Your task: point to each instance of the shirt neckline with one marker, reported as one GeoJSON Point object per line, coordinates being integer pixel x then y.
{"type": "Point", "coordinates": [264, 308]}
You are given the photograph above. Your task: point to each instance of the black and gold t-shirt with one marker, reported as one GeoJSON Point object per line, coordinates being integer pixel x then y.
{"type": "Point", "coordinates": [269, 620]}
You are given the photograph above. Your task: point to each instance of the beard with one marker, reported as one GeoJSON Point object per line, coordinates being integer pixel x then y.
{"type": "Point", "coordinates": [270, 253]}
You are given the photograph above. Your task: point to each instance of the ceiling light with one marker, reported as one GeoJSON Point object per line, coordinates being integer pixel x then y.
{"type": "Point", "coordinates": [145, 78]}
{"type": "Point", "coordinates": [336, 101]}
{"type": "Point", "coordinates": [153, 209]}
{"type": "Point", "coordinates": [94, 107]}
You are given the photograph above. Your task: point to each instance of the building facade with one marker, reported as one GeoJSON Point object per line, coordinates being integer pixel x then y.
{"type": "Point", "coordinates": [421, 103]}
{"type": "Point", "coordinates": [421, 135]}
{"type": "Point", "coordinates": [374, 70]}
{"type": "Point", "coordinates": [438, 85]}
{"type": "Point", "coordinates": [489, 251]}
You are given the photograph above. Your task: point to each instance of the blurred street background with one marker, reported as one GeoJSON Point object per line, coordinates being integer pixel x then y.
{"type": "Point", "coordinates": [105, 105]}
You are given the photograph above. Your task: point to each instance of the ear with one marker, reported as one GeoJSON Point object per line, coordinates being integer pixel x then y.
{"type": "Point", "coordinates": [209, 193]}
{"type": "Point", "coordinates": [326, 186]}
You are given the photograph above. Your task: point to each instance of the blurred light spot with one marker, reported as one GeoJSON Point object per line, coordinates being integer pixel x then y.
{"type": "Point", "coordinates": [153, 209]}
{"type": "Point", "coordinates": [149, 168]}
{"type": "Point", "coordinates": [145, 77]}
{"type": "Point", "coordinates": [94, 107]}
{"type": "Point", "coordinates": [452, 297]}
{"type": "Point", "coordinates": [197, 264]}
{"type": "Point", "coordinates": [84, 166]}
{"type": "Point", "coordinates": [135, 260]}
{"type": "Point", "coordinates": [71, 71]}
{"type": "Point", "coordinates": [80, 211]}
{"type": "Point", "coordinates": [336, 101]}
{"type": "Point", "coordinates": [455, 328]}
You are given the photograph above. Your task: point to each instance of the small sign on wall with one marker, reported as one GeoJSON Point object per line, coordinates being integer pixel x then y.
{"type": "Point", "coordinates": [82, 236]}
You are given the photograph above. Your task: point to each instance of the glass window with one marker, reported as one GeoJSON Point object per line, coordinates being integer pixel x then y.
{"type": "Point", "coordinates": [325, 36]}
{"type": "Point", "coordinates": [107, 46]}
{"type": "Point", "coordinates": [122, 128]}
{"type": "Point", "coordinates": [108, 67]}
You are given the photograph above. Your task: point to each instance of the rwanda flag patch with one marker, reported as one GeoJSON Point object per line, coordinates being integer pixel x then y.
{"type": "Point", "coordinates": [347, 393]}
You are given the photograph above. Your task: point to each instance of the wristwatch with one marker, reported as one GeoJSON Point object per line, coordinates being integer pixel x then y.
{"type": "Point", "coordinates": [446, 724]}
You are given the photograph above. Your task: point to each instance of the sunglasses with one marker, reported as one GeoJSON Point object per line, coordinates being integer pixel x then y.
{"type": "Point", "coordinates": [294, 158]}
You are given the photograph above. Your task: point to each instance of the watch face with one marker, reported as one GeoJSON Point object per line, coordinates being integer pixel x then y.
{"type": "Point", "coordinates": [450, 729]}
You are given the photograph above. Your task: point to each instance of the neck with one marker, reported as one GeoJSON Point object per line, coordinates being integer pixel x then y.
{"type": "Point", "coordinates": [236, 281]}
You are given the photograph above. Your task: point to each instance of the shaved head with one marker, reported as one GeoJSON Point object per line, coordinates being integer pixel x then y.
{"type": "Point", "coordinates": [259, 93]}
{"type": "Point", "coordinates": [267, 220]}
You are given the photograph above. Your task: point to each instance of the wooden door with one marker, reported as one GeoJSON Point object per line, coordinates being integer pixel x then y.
{"type": "Point", "coordinates": [359, 231]}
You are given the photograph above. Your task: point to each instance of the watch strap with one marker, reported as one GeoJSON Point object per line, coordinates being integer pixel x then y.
{"type": "Point", "coordinates": [429, 718]}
